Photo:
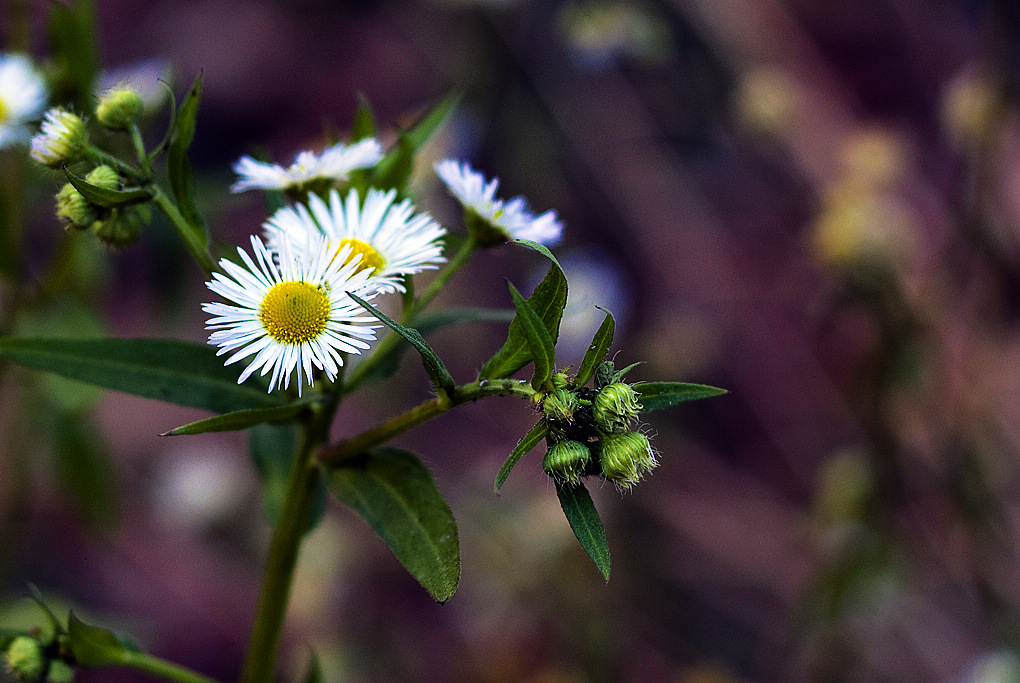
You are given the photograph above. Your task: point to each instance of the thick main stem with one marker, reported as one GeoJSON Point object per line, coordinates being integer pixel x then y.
{"type": "Point", "coordinates": [184, 229]}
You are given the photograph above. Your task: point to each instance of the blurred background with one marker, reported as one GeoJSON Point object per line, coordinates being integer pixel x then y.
{"type": "Point", "coordinates": [813, 204]}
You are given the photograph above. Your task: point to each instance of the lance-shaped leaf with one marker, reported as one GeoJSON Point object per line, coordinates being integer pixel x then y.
{"type": "Point", "coordinates": [101, 196]}
{"type": "Point", "coordinates": [237, 420]}
{"type": "Point", "coordinates": [659, 395]}
{"type": "Point", "coordinates": [540, 342]}
{"type": "Point", "coordinates": [585, 523]}
{"type": "Point", "coordinates": [166, 370]}
{"type": "Point", "coordinates": [600, 344]}
{"type": "Point", "coordinates": [364, 120]}
{"type": "Point", "coordinates": [530, 440]}
{"type": "Point", "coordinates": [178, 166]}
{"type": "Point", "coordinates": [394, 492]}
{"type": "Point", "coordinates": [94, 646]}
{"type": "Point", "coordinates": [440, 376]}
{"type": "Point", "coordinates": [547, 301]}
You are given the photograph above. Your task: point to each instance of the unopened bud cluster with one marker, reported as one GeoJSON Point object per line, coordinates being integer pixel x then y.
{"type": "Point", "coordinates": [115, 227]}
{"type": "Point", "coordinates": [591, 431]}
{"type": "Point", "coordinates": [30, 660]}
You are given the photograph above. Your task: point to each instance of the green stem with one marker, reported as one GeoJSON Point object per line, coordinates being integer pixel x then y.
{"type": "Point", "coordinates": [139, 144]}
{"type": "Point", "coordinates": [161, 667]}
{"type": "Point", "coordinates": [421, 413]}
{"type": "Point", "coordinates": [101, 157]}
{"type": "Point", "coordinates": [185, 230]}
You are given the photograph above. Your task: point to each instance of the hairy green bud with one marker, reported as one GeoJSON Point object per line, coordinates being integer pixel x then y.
{"type": "Point", "coordinates": [25, 659]}
{"type": "Point", "coordinates": [616, 407]}
{"type": "Point", "coordinates": [74, 209]}
{"type": "Point", "coordinates": [625, 458]}
{"type": "Point", "coordinates": [119, 107]}
{"type": "Point", "coordinates": [123, 225]}
{"type": "Point", "coordinates": [105, 177]}
{"type": "Point", "coordinates": [566, 461]}
{"type": "Point", "coordinates": [60, 672]}
{"type": "Point", "coordinates": [62, 140]}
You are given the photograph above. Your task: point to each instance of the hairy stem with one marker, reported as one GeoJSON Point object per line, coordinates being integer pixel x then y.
{"type": "Point", "coordinates": [184, 229]}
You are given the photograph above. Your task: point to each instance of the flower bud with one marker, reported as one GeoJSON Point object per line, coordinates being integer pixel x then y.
{"type": "Point", "coordinates": [625, 458]}
{"type": "Point", "coordinates": [616, 407]}
{"type": "Point", "coordinates": [566, 461]}
{"type": "Point", "coordinates": [559, 406]}
{"type": "Point", "coordinates": [60, 672]}
{"type": "Point", "coordinates": [123, 225]}
{"type": "Point", "coordinates": [105, 177]}
{"type": "Point", "coordinates": [25, 659]}
{"type": "Point", "coordinates": [119, 107]}
{"type": "Point", "coordinates": [76, 211]}
{"type": "Point", "coordinates": [62, 140]}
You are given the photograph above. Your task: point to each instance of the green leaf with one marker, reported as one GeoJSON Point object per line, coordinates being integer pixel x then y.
{"type": "Point", "coordinates": [273, 448]}
{"type": "Point", "coordinates": [178, 166]}
{"type": "Point", "coordinates": [548, 301]}
{"type": "Point", "coordinates": [540, 248]}
{"type": "Point", "coordinates": [37, 597]}
{"type": "Point", "coordinates": [242, 419]}
{"type": "Point", "coordinates": [658, 395]}
{"type": "Point", "coordinates": [600, 344]}
{"type": "Point", "coordinates": [75, 53]}
{"type": "Point", "coordinates": [102, 196]}
{"type": "Point", "coordinates": [314, 674]}
{"type": "Point", "coordinates": [166, 370]}
{"type": "Point", "coordinates": [440, 376]}
{"type": "Point", "coordinates": [395, 167]}
{"type": "Point", "coordinates": [394, 492]}
{"type": "Point", "coordinates": [94, 646]}
{"type": "Point", "coordinates": [364, 120]}
{"type": "Point", "coordinates": [83, 469]}
{"type": "Point", "coordinates": [529, 441]}
{"type": "Point", "coordinates": [584, 521]}
{"type": "Point", "coordinates": [430, 322]}
{"type": "Point", "coordinates": [540, 344]}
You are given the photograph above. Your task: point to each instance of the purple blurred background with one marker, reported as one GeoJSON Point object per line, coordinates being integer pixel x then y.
{"type": "Point", "coordinates": [812, 204]}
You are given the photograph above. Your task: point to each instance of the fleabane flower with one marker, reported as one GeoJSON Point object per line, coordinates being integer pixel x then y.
{"type": "Point", "coordinates": [22, 98]}
{"type": "Point", "coordinates": [491, 220]}
{"type": "Point", "coordinates": [62, 140]}
{"type": "Point", "coordinates": [291, 313]}
{"type": "Point", "coordinates": [392, 240]}
{"type": "Point", "coordinates": [309, 171]}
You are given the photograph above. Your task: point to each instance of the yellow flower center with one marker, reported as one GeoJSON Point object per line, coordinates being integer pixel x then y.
{"type": "Point", "coordinates": [370, 258]}
{"type": "Point", "coordinates": [3, 110]}
{"type": "Point", "coordinates": [295, 312]}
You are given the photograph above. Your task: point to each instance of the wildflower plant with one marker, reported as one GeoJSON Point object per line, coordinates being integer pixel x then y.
{"type": "Point", "coordinates": [286, 323]}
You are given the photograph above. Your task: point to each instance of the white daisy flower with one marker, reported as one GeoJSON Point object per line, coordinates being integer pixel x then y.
{"type": "Point", "coordinates": [22, 97]}
{"type": "Point", "coordinates": [62, 140]}
{"type": "Point", "coordinates": [294, 314]}
{"type": "Point", "coordinates": [504, 221]}
{"type": "Point", "coordinates": [392, 240]}
{"type": "Point", "coordinates": [334, 164]}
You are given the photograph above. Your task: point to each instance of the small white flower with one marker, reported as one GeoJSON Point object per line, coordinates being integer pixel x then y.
{"type": "Point", "coordinates": [392, 240]}
{"type": "Point", "coordinates": [511, 219]}
{"type": "Point", "coordinates": [62, 140]}
{"type": "Point", "coordinates": [294, 314]}
{"type": "Point", "coordinates": [335, 163]}
{"type": "Point", "coordinates": [22, 97]}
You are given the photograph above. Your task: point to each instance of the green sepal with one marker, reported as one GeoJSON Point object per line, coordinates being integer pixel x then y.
{"type": "Point", "coordinates": [585, 523]}
{"type": "Point", "coordinates": [440, 376]}
{"type": "Point", "coordinates": [166, 370]}
{"type": "Point", "coordinates": [364, 120]}
{"type": "Point", "coordinates": [237, 420]}
{"type": "Point", "coordinates": [395, 493]}
{"type": "Point", "coordinates": [93, 646]}
{"type": "Point", "coordinates": [600, 344]}
{"type": "Point", "coordinates": [529, 441]}
{"type": "Point", "coordinates": [547, 301]}
{"type": "Point", "coordinates": [101, 196]}
{"type": "Point", "coordinates": [273, 448]}
{"type": "Point", "coordinates": [540, 343]}
{"type": "Point", "coordinates": [178, 166]}
{"type": "Point", "coordinates": [659, 395]}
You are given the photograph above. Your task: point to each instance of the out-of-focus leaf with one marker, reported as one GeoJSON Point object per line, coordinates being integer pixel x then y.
{"type": "Point", "coordinates": [600, 344]}
{"type": "Point", "coordinates": [102, 196]}
{"type": "Point", "coordinates": [178, 166]}
{"type": "Point", "coordinates": [163, 369]}
{"type": "Point", "coordinates": [440, 376]}
{"type": "Point", "coordinates": [394, 169]}
{"type": "Point", "coordinates": [395, 493]}
{"type": "Point", "coordinates": [659, 395]}
{"type": "Point", "coordinates": [540, 344]}
{"type": "Point", "coordinates": [314, 674]}
{"type": "Point", "coordinates": [430, 322]}
{"type": "Point", "coordinates": [273, 448]}
{"type": "Point", "coordinates": [75, 52]}
{"type": "Point", "coordinates": [530, 440]}
{"type": "Point", "coordinates": [364, 120]}
{"type": "Point", "coordinates": [584, 520]}
{"type": "Point", "coordinates": [94, 646]}
{"type": "Point", "coordinates": [548, 301]}
{"type": "Point", "coordinates": [83, 469]}
{"type": "Point", "coordinates": [241, 419]}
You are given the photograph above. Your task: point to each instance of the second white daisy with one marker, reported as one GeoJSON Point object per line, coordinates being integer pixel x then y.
{"type": "Point", "coordinates": [291, 313]}
{"type": "Point", "coordinates": [309, 171]}
{"type": "Point", "coordinates": [391, 238]}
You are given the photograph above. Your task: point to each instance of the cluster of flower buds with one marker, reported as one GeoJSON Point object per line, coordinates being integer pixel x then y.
{"type": "Point", "coordinates": [591, 431]}
{"type": "Point", "coordinates": [64, 141]}
{"type": "Point", "coordinates": [31, 660]}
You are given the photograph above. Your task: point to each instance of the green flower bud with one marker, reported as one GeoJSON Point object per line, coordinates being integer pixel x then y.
{"type": "Point", "coordinates": [123, 225]}
{"type": "Point", "coordinates": [625, 458]}
{"type": "Point", "coordinates": [60, 672]}
{"type": "Point", "coordinates": [566, 461]}
{"type": "Point", "coordinates": [616, 407]}
{"type": "Point", "coordinates": [25, 659]}
{"type": "Point", "coordinates": [62, 140]}
{"type": "Point", "coordinates": [105, 177]}
{"type": "Point", "coordinates": [559, 381]}
{"type": "Point", "coordinates": [119, 107]}
{"type": "Point", "coordinates": [76, 211]}
{"type": "Point", "coordinates": [559, 406]}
